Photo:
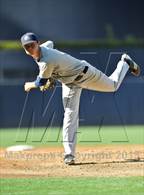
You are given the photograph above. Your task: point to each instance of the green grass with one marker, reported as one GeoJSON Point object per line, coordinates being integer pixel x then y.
{"type": "Point", "coordinates": [86, 136]}
{"type": "Point", "coordinates": [73, 186]}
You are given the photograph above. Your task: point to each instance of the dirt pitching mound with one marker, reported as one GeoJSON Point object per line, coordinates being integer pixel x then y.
{"type": "Point", "coordinates": [116, 160]}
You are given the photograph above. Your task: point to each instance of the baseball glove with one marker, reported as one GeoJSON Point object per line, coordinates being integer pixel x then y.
{"type": "Point", "coordinates": [50, 84]}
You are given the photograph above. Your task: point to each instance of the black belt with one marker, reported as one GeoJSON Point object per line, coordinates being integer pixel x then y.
{"type": "Point", "coordinates": [82, 74]}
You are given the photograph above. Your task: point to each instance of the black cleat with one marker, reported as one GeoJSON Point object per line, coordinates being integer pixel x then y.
{"type": "Point", "coordinates": [69, 159]}
{"type": "Point", "coordinates": [134, 68]}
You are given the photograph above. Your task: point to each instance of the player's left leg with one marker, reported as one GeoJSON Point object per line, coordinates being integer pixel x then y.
{"type": "Point", "coordinates": [71, 99]}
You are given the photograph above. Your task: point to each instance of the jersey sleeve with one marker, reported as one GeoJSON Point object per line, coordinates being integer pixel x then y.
{"type": "Point", "coordinates": [45, 71]}
{"type": "Point", "coordinates": [48, 44]}
{"type": "Point", "coordinates": [40, 82]}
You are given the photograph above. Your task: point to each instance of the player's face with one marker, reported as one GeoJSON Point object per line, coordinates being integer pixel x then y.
{"type": "Point", "coordinates": [32, 49]}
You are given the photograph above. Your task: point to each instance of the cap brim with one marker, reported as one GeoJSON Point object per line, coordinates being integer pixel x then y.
{"type": "Point", "coordinates": [27, 42]}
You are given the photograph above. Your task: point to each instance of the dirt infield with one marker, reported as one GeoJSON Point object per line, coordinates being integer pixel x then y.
{"type": "Point", "coordinates": [116, 160]}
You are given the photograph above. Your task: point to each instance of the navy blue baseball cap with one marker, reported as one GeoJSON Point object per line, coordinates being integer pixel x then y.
{"type": "Point", "coordinates": [28, 38]}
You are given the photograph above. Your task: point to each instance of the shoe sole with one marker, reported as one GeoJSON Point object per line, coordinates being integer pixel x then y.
{"type": "Point", "coordinates": [72, 162]}
{"type": "Point", "coordinates": [131, 63]}
{"type": "Point", "coordinates": [136, 72]}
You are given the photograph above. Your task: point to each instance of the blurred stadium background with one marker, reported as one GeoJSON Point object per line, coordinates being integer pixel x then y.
{"type": "Point", "coordinates": [94, 30]}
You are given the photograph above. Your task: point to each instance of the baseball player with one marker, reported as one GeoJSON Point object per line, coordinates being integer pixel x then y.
{"type": "Point", "coordinates": [75, 75]}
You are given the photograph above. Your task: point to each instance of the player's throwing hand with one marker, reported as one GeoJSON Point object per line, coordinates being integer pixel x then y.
{"type": "Point", "coordinates": [29, 85]}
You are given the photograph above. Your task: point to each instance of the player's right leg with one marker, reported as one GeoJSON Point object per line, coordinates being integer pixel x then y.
{"type": "Point", "coordinates": [103, 83]}
{"type": "Point", "coordinates": [134, 68]}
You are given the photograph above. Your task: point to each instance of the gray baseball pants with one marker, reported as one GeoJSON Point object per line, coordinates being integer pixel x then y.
{"type": "Point", "coordinates": [93, 80]}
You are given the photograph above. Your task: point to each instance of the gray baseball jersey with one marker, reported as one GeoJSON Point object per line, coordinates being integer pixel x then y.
{"type": "Point", "coordinates": [65, 68]}
{"type": "Point", "coordinates": [57, 64]}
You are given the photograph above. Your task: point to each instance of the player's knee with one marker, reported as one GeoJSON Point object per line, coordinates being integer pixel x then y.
{"type": "Point", "coordinates": [116, 86]}
{"type": "Point", "coordinates": [70, 114]}
{"type": "Point", "coordinates": [115, 89]}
